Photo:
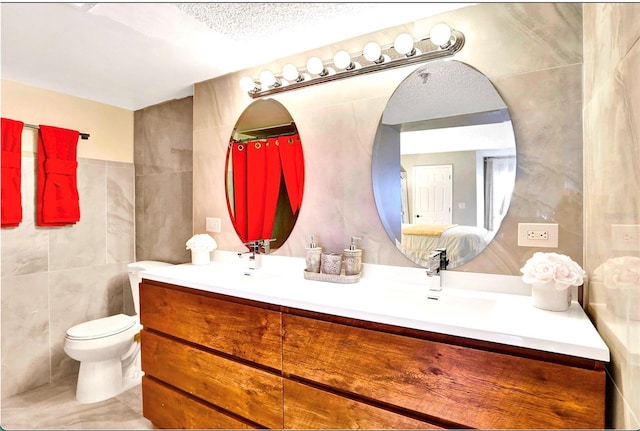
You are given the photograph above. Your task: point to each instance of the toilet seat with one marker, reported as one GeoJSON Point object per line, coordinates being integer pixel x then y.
{"type": "Point", "coordinates": [101, 328]}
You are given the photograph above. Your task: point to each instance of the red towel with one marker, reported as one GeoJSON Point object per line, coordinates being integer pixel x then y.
{"type": "Point", "coordinates": [57, 200]}
{"type": "Point", "coordinates": [11, 194]}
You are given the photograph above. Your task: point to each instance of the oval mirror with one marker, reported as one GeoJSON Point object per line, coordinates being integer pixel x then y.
{"type": "Point", "coordinates": [264, 173]}
{"type": "Point", "coordinates": [444, 163]}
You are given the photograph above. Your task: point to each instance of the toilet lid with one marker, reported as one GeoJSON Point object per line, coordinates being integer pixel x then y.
{"type": "Point", "coordinates": [102, 327]}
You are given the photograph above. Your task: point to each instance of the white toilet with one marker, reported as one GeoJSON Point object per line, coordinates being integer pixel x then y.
{"type": "Point", "coordinates": [108, 354]}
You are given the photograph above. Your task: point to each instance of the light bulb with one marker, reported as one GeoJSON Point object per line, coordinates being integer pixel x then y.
{"type": "Point", "coordinates": [315, 66]}
{"type": "Point", "coordinates": [404, 44]}
{"type": "Point", "coordinates": [290, 73]}
{"type": "Point", "coordinates": [247, 83]}
{"type": "Point", "coordinates": [267, 78]}
{"type": "Point", "coordinates": [342, 60]}
{"type": "Point", "coordinates": [440, 35]}
{"type": "Point", "coordinates": [372, 52]}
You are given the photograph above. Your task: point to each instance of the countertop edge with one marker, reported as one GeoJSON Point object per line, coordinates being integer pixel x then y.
{"type": "Point", "coordinates": [594, 349]}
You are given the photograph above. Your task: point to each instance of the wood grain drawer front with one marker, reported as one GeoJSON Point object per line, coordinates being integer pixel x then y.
{"type": "Point", "coordinates": [168, 408]}
{"type": "Point", "coordinates": [244, 331]}
{"type": "Point", "coordinates": [248, 392]}
{"type": "Point", "coordinates": [472, 388]}
{"type": "Point", "coordinates": [306, 407]}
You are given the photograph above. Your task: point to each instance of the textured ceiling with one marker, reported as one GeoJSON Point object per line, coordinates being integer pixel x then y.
{"type": "Point", "coordinates": [442, 89]}
{"type": "Point", "coordinates": [134, 55]}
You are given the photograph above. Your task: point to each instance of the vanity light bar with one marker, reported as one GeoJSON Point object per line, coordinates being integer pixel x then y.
{"type": "Point", "coordinates": [373, 59]}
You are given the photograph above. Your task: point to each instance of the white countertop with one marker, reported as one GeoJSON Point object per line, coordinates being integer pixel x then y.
{"type": "Point", "coordinates": [470, 305]}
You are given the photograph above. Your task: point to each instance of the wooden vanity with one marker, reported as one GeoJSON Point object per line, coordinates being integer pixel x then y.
{"type": "Point", "coordinates": [214, 360]}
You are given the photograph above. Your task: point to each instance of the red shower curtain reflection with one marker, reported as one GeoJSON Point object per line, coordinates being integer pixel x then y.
{"type": "Point", "coordinates": [239, 164]}
{"type": "Point", "coordinates": [292, 169]}
{"type": "Point", "coordinates": [272, 187]}
{"type": "Point", "coordinates": [258, 167]}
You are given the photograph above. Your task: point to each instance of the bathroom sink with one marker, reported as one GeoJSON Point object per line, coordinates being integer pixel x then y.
{"type": "Point", "coordinates": [215, 275]}
{"type": "Point", "coordinates": [446, 305]}
{"type": "Point", "coordinates": [241, 276]}
{"type": "Point", "coordinates": [396, 300]}
{"type": "Point", "coordinates": [416, 301]}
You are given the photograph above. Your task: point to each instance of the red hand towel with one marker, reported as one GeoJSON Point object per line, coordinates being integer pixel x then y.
{"type": "Point", "coordinates": [11, 194]}
{"type": "Point", "coordinates": [57, 200]}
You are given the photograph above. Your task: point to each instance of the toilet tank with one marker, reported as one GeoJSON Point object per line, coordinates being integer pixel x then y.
{"type": "Point", "coordinates": [134, 279]}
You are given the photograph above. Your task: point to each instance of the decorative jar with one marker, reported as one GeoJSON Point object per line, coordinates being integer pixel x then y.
{"type": "Point", "coordinates": [200, 256]}
{"type": "Point", "coordinates": [547, 297]}
{"type": "Point", "coordinates": [201, 246]}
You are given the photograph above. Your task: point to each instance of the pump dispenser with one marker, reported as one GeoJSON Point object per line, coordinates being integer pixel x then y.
{"type": "Point", "coordinates": [352, 258]}
{"type": "Point", "coordinates": [312, 257]}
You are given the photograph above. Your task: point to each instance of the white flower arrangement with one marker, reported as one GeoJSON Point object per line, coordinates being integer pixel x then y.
{"type": "Point", "coordinates": [201, 241]}
{"type": "Point", "coordinates": [552, 267]}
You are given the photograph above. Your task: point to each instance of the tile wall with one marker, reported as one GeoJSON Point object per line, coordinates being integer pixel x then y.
{"type": "Point", "coordinates": [612, 193]}
{"type": "Point", "coordinates": [163, 157]}
{"type": "Point", "coordinates": [54, 278]}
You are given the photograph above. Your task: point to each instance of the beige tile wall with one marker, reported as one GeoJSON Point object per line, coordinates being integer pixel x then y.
{"type": "Point", "coordinates": [54, 278]}
{"type": "Point", "coordinates": [612, 190]}
{"type": "Point", "coordinates": [163, 160]}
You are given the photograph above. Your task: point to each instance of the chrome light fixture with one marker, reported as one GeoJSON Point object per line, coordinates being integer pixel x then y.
{"type": "Point", "coordinates": [442, 42]}
{"type": "Point", "coordinates": [343, 60]}
{"type": "Point", "coordinates": [405, 45]}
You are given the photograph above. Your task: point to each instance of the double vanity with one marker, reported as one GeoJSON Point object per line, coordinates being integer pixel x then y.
{"type": "Point", "coordinates": [221, 349]}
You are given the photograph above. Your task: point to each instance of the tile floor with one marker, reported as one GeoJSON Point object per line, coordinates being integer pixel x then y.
{"type": "Point", "coordinates": [54, 406]}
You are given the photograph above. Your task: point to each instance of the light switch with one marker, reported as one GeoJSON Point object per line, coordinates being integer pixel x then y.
{"type": "Point", "coordinates": [213, 224]}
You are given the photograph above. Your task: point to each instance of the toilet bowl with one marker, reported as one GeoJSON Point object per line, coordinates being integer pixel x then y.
{"type": "Point", "coordinates": [107, 348]}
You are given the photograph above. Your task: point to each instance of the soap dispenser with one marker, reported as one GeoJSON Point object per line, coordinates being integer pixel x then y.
{"type": "Point", "coordinates": [352, 258]}
{"type": "Point", "coordinates": [312, 256]}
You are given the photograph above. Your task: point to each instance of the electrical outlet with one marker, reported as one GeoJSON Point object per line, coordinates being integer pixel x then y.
{"type": "Point", "coordinates": [538, 235]}
{"type": "Point", "coordinates": [213, 224]}
{"type": "Point", "coordinates": [625, 237]}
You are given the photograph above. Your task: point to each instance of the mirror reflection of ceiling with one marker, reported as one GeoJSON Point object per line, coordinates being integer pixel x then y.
{"type": "Point", "coordinates": [492, 136]}
{"type": "Point", "coordinates": [429, 94]}
{"type": "Point", "coordinates": [262, 114]}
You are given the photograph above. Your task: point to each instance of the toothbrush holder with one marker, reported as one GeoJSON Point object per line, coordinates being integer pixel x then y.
{"type": "Point", "coordinates": [331, 263]}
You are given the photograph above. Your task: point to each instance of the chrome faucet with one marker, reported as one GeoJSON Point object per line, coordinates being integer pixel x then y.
{"type": "Point", "coordinates": [256, 249]}
{"type": "Point", "coordinates": [436, 263]}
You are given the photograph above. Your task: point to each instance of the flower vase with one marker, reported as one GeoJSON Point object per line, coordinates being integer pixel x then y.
{"type": "Point", "coordinates": [546, 297]}
{"type": "Point", "coordinates": [200, 256]}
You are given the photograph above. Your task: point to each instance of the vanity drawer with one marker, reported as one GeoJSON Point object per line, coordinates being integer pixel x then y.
{"type": "Point", "coordinates": [306, 407]}
{"type": "Point", "coordinates": [246, 391]}
{"type": "Point", "coordinates": [464, 387]}
{"type": "Point", "coordinates": [241, 330]}
{"type": "Point", "coordinates": [167, 408]}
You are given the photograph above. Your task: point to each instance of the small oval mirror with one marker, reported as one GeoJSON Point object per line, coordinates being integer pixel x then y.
{"type": "Point", "coordinates": [444, 163]}
{"type": "Point", "coordinates": [264, 173]}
